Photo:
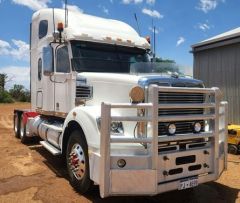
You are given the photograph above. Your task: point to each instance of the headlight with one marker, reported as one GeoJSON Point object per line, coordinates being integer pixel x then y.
{"type": "Point", "coordinates": [171, 129]}
{"type": "Point", "coordinates": [115, 127]}
{"type": "Point", "coordinates": [197, 127]}
{"type": "Point", "coordinates": [137, 94]}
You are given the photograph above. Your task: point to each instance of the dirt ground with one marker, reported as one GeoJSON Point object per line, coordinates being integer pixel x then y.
{"type": "Point", "coordinates": [28, 173]}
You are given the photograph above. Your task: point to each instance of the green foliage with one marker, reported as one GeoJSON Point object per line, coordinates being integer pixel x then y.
{"type": "Point", "coordinates": [19, 93]}
{"type": "Point", "coordinates": [3, 78]}
{"type": "Point", "coordinates": [165, 65]}
{"type": "Point", "coordinates": [161, 60]}
{"type": "Point", "coordinates": [5, 97]}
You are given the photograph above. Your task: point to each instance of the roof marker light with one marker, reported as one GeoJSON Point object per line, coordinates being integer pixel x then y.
{"type": "Point", "coordinates": [119, 39]}
{"type": "Point", "coordinates": [60, 27]}
{"type": "Point", "coordinates": [108, 38]}
{"type": "Point", "coordinates": [148, 39]}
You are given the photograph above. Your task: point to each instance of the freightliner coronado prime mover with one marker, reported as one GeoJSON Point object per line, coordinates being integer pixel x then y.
{"type": "Point", "coordinates": [97, 101]}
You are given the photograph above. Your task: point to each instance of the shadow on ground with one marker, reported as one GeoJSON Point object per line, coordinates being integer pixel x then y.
{"type": "Point", "coordinates": [209, 192]}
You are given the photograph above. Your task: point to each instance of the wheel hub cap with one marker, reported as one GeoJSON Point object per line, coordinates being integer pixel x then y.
{"type": "Point", "coordinates": [76, 161]}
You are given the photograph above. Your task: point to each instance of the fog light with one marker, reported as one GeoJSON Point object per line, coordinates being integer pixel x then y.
{"type": "Point", "coordinates": [197, 127]}
{"type": "Point", "coordinates": [115, 126]}
{"type": "Point", "coordinates": [171, 129]}
{"type": "Point", "coordinates": [121, 163]}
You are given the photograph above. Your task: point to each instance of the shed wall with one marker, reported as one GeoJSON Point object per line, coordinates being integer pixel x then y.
{"type": "Point", "coordinates": [220, 67]}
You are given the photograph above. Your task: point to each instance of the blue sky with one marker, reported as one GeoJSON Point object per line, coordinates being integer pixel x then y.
{"type": "Point", "coordinates": [179, 24]}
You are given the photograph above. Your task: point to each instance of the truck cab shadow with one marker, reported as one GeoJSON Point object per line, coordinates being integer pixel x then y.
{"type": "Point", "coordinates": [209, 192]}
{"type": "Point", "coordinates": [55, 163]}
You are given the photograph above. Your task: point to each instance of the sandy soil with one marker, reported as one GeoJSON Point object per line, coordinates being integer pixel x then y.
{"type": "Point", "coordinates": [28, 173]}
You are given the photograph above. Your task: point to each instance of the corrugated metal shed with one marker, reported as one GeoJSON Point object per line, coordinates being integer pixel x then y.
{"type": "Point", "coordinates": [217, 63]}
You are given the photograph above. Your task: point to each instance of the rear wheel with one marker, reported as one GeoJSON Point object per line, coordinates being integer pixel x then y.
{"type": "Point", "coordinates": [78, 162]}
{"type": "Point", "coordinates": [16, 125]}
{"type": "Point", "coordinates": [232, 149]}
{"type": "Point", "coordinates": [23, 134]}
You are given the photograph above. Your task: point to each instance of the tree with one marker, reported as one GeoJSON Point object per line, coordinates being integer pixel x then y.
{"type": "Point", "coordinates": [166, 65]}
{"type": "Point", "coordinates": [3, 78]}
{"type": "Point", "coordinates": [19, 93]}
{"type": "Point", "coordinates": [5, 97]}
{"type": "Point", "coordinates": [161, 60]}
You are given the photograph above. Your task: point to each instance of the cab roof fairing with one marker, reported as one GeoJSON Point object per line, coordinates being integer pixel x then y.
{"type": "Point", "coordinates": [91, 28]}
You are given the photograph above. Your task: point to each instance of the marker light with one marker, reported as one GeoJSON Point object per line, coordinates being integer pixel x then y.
{"type": "Point", "coordinates": [60, 27]}
{"type": "Point", "coordinates": [121, 163]}
{"type": "Point", "coordinates": [137, 94]}
{"type": "Point", "coordinates": [148, 39]}
{"type": "Point", "coordinates": [172, 129]}
{"type": "Point", "coordinates": [197, 127]}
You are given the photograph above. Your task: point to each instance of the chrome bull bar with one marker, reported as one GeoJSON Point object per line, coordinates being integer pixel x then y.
{"type": "Point", "coordinates": [217, 114]}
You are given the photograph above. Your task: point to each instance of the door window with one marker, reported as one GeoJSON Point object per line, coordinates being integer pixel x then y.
{"type": "Point", "coordinates": [63, 65]}
{"type": "Point", "coordinates": [47, 60]}
{"type": "Point", "coordinates": [43, 28]}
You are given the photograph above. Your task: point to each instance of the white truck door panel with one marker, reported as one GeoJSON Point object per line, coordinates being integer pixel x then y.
{"type": "Point", "coordinates": [39, 99]}
{"type": "Point", "coordinates": [63, 81]}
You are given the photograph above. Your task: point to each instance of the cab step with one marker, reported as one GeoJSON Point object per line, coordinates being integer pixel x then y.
{"type": "Point", "coordinates": [53, 150]}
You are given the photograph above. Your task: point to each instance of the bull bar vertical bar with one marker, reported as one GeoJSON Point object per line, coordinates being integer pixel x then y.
{"type": "Point", "coordinates": [217, 96]}
{"type": "Point", "coordinates": [105, 150]}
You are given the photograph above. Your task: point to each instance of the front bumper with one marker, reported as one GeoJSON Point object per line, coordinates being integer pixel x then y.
{"type": "Point", "coordinates": [136, 178]}
{"type": "Point", "coordinates": [160, 171]}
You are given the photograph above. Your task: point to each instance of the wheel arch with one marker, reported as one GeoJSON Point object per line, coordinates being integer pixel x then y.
{"type": "Point", "coordinates": [83, 119]}
{"type": "Point", "coordinates": [71, 126]}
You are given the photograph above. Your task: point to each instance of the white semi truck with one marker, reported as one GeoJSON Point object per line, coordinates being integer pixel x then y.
{"type": "Point", "coordinates": [97, 100]}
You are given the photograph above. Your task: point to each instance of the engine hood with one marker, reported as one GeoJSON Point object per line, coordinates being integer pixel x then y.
{"type": "Point", "coordinates": [142, 80]}
{"type": "Point", "coordinates": [169, 81]}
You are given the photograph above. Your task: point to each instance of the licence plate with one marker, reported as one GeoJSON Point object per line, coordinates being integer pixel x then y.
{"type": "Point", "coordinates": [188, 183]}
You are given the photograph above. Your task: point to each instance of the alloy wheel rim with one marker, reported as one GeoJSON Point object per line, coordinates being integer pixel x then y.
{"type": "Point", "coordinates": [77, 161]}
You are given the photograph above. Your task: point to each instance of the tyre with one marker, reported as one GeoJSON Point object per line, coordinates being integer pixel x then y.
{"type": "Point", "coordinates": [232, 149]}
{"type": "Point", "coordinates": [23, 128]}
{"type": "Point", "coordinates": [78, 162]}
{"type": "Point", "coordinates": [16, 126]}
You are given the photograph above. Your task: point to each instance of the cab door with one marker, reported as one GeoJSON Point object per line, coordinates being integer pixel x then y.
{"type": "Point", "coordinates": [44, 83]}
{"type": "Point", "coordinates": [63, 81]}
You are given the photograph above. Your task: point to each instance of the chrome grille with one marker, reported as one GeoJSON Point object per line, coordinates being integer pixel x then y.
{"type": "Point", "coordinates": [172, 97]}
{"type": "Point", "coordinates": [165, 112]}
{"type": "Point", "coordinates": [84, 92]}
{"type": "Point", "coordinates": [179, 98]}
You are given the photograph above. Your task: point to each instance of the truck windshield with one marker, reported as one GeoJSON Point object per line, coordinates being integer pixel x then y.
{"type": "Point", "coordinates": [96, 57]}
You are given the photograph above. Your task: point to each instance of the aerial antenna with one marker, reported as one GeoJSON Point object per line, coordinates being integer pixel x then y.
{"type": "Point", "coordinates": [139, 32]}
{"type": "Point", "coordinates": [154, 42]}
{"type": "Point", "coordinates": [54, 29]}
{"type": "Point", "coordinates": [66, 14]}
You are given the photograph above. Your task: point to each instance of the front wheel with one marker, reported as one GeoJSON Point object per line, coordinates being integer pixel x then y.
{"type": "Point", "coordinates": [78, 162]}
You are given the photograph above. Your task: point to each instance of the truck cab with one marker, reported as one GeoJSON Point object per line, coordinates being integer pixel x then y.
{"type": "Point", "coordinates": [99, 100]}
